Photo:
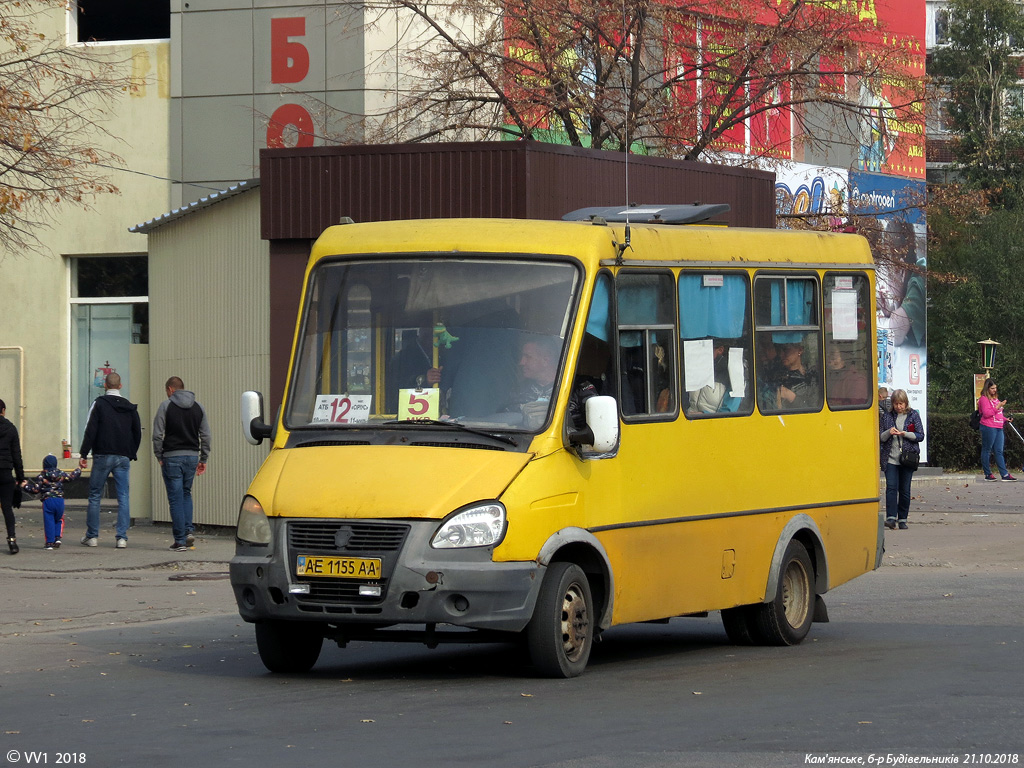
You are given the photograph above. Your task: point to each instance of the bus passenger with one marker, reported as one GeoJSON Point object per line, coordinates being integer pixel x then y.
{"type": "Point", "coordinates": [846, 385]}
{"type": "Point", "coordinates": [798, 388]}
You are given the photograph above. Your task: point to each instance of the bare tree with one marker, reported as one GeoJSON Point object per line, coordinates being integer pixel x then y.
{"type": "Point", "coordinates": [682, 78]}
{"type": "Point", "coordinates": [53, 101]}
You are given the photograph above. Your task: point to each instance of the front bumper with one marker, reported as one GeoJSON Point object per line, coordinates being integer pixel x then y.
{"type": "Point", "coordinates": [419, 585]}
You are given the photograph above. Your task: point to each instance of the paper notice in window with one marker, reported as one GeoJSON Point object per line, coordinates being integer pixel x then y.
{"type": "Point", "coordinates": [844, 315]}
{"type": "Point", "coordinates": [737, 381]}
{"type": "Point", "coordinates": [699, 367]}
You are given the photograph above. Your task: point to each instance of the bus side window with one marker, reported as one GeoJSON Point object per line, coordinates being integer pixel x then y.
{"type": "Point", "coordinates": [645, 310]}
{"type": "Point", "coordinates": [596, 367]}
{"type": "Point", "coordinates": [788, 363]}
{"type": "Point", "coordinates": [714, 327]}
{"type": "Point", "coordinates": [848, 350]}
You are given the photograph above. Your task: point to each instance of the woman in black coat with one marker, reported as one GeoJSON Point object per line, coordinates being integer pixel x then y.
{"type": "Point", "coordinates": [902, 431]}
{"type": "Point", "coordinates": [12, 473]}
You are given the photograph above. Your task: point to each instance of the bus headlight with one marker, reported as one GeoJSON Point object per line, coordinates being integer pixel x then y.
{"type": "Point", "coordinates": [482, 525]}
{"type": "Point", "coordinates": [253, 526]}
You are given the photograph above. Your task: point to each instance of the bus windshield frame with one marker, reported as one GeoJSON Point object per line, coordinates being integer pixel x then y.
{"type": "Point", "coordinates": [477, 340]}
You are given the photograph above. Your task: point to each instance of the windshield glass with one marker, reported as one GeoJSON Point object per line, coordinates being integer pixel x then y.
{"type": "Point", "coordinates": [474, 341]}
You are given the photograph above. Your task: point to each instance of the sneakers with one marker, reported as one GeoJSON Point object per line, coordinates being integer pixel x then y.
{"type": "Point", "coordinates": [990, 477]}
{"type": "Point", "coordinates": [176, 547]}
{"type": "Point", "coordinates": [89, 541]}
{"type": "Point", "coordinates": [56, 544]}
{"type": "Point", "coordinates": [49, 545]}
{"type": "Point", "coordinates": [121, 543]}
{"type": "Point", "coordinates": [190, 540]}
{"type": "Point", "coordinates": [903, 525]}
{"type": "Point", "coordinates": [1009, 478]}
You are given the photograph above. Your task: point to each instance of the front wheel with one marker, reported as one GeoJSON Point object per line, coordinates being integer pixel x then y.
{"type": "Point", "coordinates": [561, 632]}
{"type": "Point", "coordinates": [786, 620]}
{"type": "Point", "coordinates": [288, 647]}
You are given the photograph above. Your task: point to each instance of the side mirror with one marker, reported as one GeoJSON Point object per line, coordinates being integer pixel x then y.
{"type": "Point", "coordinates": [600, 439]}
{"type": "Point", "coordinates": [253, 427]}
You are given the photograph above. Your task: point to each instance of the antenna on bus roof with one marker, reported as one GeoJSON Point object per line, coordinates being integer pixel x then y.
{"type": "Point", "coordinates": [625, 127]}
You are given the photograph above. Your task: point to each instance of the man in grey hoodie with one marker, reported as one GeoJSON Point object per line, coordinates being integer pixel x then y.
{"type": "Point", "coordinates": [181, 443]}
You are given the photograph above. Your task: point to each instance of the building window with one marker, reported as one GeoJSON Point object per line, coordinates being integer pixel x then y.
{"type": "Point", "coordinates": [114, 20]}
{"type": "Point", "coordinates": [109, 313]}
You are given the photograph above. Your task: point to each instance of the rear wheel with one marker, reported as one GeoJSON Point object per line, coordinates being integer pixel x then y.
{"type": "Point", "coordinates": [786, 620]}
{"type": "Point", "coordinates": [561, 632]}
{"type": "Point", "coordinates": [288, 647]}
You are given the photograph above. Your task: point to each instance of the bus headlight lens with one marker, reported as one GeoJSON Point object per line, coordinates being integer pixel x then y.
{"type": "Point", "coordinates": [479, 526]}
{"type": "Point", "coordinates": [253, 526]}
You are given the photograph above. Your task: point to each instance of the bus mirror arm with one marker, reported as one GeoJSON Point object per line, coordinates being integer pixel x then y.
{"type": "Point", "coordinates": [253, 427]}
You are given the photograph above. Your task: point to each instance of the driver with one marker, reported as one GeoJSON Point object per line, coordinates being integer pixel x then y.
{"type": "Point", "coordinates": [538, 362]}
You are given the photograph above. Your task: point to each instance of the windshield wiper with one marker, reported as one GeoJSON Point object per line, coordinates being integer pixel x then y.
{"type": "Point", "coordinates": [453, 424]}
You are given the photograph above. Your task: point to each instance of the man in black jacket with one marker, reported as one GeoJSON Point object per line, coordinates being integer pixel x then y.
{"type": "Point", "coordinates": [113, 434]}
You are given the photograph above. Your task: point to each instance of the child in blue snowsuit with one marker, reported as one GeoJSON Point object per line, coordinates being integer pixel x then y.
{"type": "Point", "coordinates": [49, 484]}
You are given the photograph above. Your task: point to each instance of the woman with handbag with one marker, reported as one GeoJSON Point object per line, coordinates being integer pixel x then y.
{"type": "Point", "coordinates": [901, 436]}
{"type": "Point", "coordinates": [990, 408]}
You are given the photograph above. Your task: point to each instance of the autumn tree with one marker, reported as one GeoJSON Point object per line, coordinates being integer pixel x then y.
{"type": "Point", "coordinates": [53, 98]}
{"type": "Point", "coordinates": [682, 78]}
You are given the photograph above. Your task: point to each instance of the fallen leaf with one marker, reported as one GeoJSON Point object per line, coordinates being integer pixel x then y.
{"type": "Point", "coordinates": [367, 721]}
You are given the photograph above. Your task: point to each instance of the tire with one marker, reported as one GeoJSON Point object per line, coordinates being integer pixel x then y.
{"type": "Point", "coordinates": [561, 632]}
{"type": "Point", "coordinates": [741, 624]}
{"type": "Point", "coordinates": [288, 647]}
{"type": "Point", "coordinates": [786, 620]}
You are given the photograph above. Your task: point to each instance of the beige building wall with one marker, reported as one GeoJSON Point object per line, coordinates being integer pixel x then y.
{"type": "Point", "coordinates": [35, 314]}
{"type": "Point", "coordinates": [209, 321]}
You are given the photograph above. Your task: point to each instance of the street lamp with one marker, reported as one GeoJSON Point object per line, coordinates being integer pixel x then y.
{"type": "Point", "coordinates": [989, 351]}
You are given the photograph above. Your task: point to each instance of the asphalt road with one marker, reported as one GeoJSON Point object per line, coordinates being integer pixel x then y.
{"type": "Point", "coordinates": [142, 660]}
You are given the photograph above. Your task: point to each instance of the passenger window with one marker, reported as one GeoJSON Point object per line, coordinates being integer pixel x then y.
{"type": "Point", "coordinates": [847, 303]}
{"type": "Point", "coordinates": [645, 313]}
{"type": "Point", "coordinates": [788, 354]}
{"type": "Point", "coordinates": [714, 328]}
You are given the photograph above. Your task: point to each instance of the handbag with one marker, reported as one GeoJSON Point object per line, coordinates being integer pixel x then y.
{"type": "Point", "coordinates": [909, 458]}
{"type": "Point", "coordinates": [976, 420]}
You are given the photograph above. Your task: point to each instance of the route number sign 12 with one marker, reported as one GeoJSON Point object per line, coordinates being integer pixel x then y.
{"type": "Point", "coordinates": [341, 409]}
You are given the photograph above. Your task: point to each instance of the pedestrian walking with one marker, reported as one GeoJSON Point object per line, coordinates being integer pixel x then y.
{"type": "Point", "coordinates": [12, 474]}
{"type": "Point", "coordinates": [113, 434]}
{"type": "Point", "coordinates": [993, 418]}
{"type": "Point", "coordinates": [902, 434]}
{"type": "Point", "coordinates": [49, 485]}
{"type": "Point", "coordinates": [181, 443]}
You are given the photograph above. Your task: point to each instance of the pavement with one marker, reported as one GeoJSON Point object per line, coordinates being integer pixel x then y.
{"type": "Point", "coordinates": [78, 587]}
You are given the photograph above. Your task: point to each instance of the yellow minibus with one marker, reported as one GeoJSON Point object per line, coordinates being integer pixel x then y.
{"type": "Point", "coordinates": [537, 430]}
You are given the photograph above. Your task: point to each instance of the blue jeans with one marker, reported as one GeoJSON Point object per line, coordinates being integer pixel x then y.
{"type": "Point", "coordinates": [992, 440]}
{"type": "Point", "coordinates": [897, 491]}
{"type": "Point", "coordinates": [179, 472]}
{"type": "Point", "coordinates": [103, 466]}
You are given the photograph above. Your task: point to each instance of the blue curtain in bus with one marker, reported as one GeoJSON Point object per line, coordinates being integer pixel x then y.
{"type": "Point", "coordinates": [599, 323]}
{"type": "Point", "coordinates": [712, 311]}
{"type": "Point", "coordinates": [637, 303]}
{"type": "Point", "coordinates": [799, 306]}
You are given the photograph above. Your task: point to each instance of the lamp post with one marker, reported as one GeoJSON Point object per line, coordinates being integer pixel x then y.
{"type": "Point", "coordinates": [988, 348]}
{"type": "Point", "coordinates": [989, 355]}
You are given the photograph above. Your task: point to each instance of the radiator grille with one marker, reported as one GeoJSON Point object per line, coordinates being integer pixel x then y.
{"type": "Point", "coordinates": [363, 537]}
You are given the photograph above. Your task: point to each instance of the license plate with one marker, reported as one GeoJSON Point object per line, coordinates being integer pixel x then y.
{"type": "Point", "coordinates": [338, 567]}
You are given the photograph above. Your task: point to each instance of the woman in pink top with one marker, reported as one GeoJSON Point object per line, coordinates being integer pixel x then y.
{"type": "Point", "coordinates": [992, 419]}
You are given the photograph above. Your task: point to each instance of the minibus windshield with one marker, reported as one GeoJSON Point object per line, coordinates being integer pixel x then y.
{"type": "Point", "coordinates": [476, 341]}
